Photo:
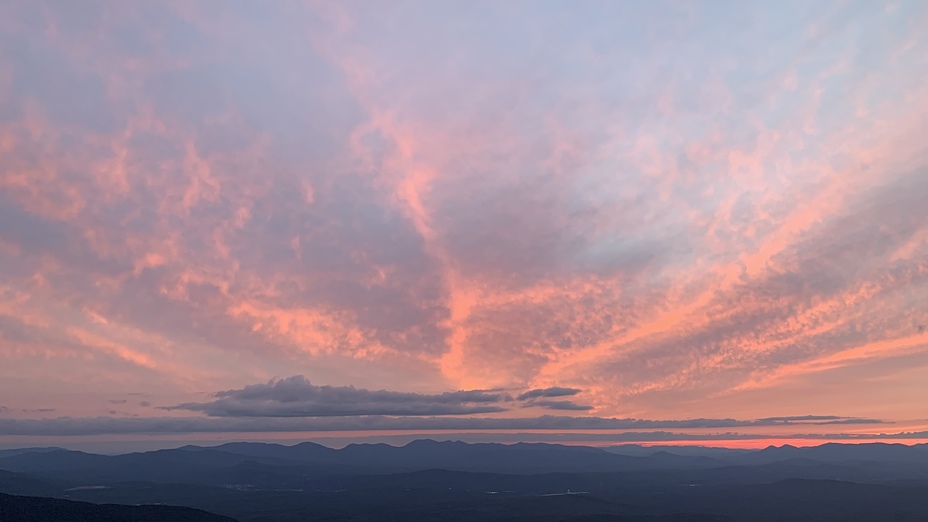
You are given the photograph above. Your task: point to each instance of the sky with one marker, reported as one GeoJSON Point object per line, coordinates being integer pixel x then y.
{"type": "Point", "coordinates": [688, 222]}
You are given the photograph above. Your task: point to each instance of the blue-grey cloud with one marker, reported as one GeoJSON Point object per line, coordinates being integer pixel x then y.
{"type": "Point", "coordinates": [71, 426]}
{"type": "Point", "coordinates": [561, 405]}
{"type": "Point", "coordinates": [554, 391]}
{"type": "Point", "coordinates": [818, 419]}
{"type": "Point", "coordinates": [297, 397]}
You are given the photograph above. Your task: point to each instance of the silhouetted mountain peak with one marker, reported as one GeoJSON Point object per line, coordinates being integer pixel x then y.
{"type": "Point", "coordinates": [429, 443]}
{"type": "Point", "coordinates": [308, 444]}
{"type": "Point", "coordinates": [367, 445]}
{"type": "Point", "coordinates": [19, 451]}
{"type": "Point", "coordinates": [489, 481]}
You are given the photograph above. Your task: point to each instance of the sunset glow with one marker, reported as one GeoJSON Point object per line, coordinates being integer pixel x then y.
{"type": "Point", "coordinates": [326, 220]}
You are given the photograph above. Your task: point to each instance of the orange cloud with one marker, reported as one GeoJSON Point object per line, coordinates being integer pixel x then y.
{"type": "Point", "coordinates": [424, 199]}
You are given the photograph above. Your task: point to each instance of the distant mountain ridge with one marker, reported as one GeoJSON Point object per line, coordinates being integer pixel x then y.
{"type": "Point", "coordinates": [427, 454]}
{"type": "Point", "coordinates": [19, 451]}
{"type": "Point", "coordinates": [240, 462]}
{"type": "Point", "coordinates": [427, 480]}
{"type": "Point", "coordinates": [827, 452]}
{"type": "Point", "coordinates": [190, 462]}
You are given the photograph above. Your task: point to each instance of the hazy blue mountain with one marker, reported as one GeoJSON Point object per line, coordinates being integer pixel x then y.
{"type": "Point", "coordinates": [38, 509]}
{"type": "Point", "coordinates": [11, 452]}
{"type": "Point", "coordinates": [636, 450]}
{"type": "Point", "coordinates": [24, 484]}
{"type": "Point", "coordinates": [833, 452]}
{"type": "Point", "coordinates": [53, 461]}
{"type": "Point", "coordinates": [197, 464]}
{"type": "Point", "coordinates": [441, 481]}
{"type": "Point", "coordinates": [512, 458]}
{"type": "Point", "coordinates": [302, 451]}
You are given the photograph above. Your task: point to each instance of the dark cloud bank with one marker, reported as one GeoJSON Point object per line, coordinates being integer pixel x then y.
{"type": "Point", "coordinates": [298, 397]}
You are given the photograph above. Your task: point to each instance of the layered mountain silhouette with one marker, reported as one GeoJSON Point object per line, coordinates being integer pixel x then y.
{"type": "Point", "coordinates": [429, 480]}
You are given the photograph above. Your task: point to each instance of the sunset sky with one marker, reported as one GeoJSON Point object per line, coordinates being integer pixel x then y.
{"type": "Point", "coordinates": [581, 221]}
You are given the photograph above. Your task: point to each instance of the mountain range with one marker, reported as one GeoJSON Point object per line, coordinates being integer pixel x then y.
{"type": "Point", "coordinates": [429, 480]}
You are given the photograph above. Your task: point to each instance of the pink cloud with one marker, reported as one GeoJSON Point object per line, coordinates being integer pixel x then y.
{"type": "Point", "coordinates": [431, 198]}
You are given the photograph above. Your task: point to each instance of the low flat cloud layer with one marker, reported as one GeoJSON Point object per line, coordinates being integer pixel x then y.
{"type": "Point", "coordinates": [68, 426]}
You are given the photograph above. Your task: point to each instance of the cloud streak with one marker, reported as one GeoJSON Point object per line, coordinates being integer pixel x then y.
{"type": "Point", "coordinates": [561, 405]}
{"type": "Point", "coordinates": [554, 391]}
{"type": "Point", "coordinates": [72, 426]}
